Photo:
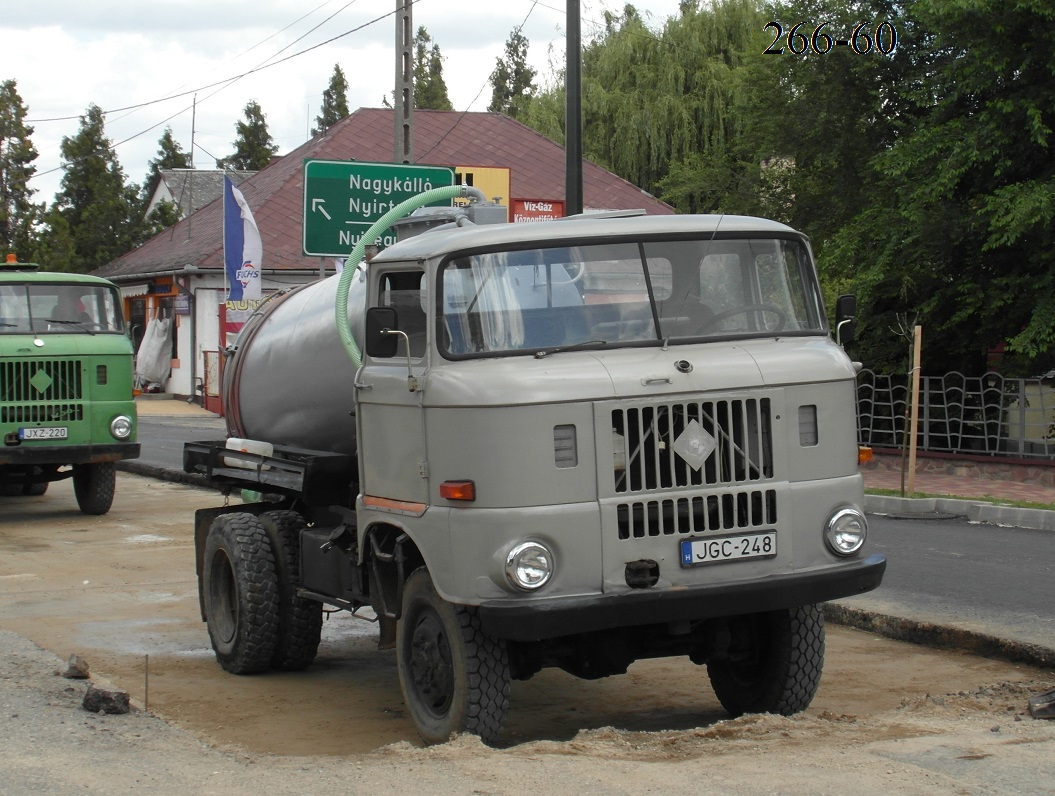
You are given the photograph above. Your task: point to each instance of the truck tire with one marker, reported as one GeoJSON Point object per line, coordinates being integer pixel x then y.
{"type": "Point", "coordinates": [94, 484]}
{"type": "Point", "coordinates": [241, 593]}
{"type": "Point", "coordinates": [299, 619]}
{"type": "Point", "coordinates": [454, 676]}
{"type": "Point", "coordinates": [775, 662]}
{"type": "Point", "coordinates": [36, 489]}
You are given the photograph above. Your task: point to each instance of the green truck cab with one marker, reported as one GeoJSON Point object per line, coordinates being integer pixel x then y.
{"type": "Point", "coordinates": [66, 401]}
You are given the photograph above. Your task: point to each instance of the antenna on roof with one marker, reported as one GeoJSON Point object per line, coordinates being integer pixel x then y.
{"type": "Point", "coordinates": [193, 119]}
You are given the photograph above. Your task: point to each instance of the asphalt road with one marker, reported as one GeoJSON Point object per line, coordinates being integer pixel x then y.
{"type": "Point", "coordinates": [966, 578]}
{"type": "Point", "coordinates": [985, 579]}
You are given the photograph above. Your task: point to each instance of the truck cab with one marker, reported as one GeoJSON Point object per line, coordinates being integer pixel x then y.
{"type": "Point", "coordinates": [66, 404]}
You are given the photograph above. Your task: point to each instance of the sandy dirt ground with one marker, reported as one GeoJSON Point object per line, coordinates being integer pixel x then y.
{"type": "Point", "coordinates": [120, 591]}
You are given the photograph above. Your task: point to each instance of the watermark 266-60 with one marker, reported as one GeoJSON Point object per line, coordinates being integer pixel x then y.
{"type": "Point", "coordinates": [883, 39]}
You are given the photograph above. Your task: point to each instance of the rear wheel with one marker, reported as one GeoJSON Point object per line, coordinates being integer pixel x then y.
{"type": "Point", "coordinates": [299, 619]}
{"type": "Point", "coordinates": [454, 676]}
{"type": "Point", "coordinates": [35, 489]}
{"type": "Point", "coordinates": [93, 485]}
{"type": "Point", "coordinates": [241, 593]}
{"type": "Point", "coordinates": [774, 662]}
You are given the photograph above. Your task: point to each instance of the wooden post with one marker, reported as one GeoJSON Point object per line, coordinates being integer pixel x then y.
{"type": "Point", "coordinates": [917, 339]}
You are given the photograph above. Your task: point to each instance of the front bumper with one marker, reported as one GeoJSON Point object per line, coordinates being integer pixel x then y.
{"type": "Point", "coordinates": [21, 455]}
{"type": "Point", "coordinates": [533, 620]}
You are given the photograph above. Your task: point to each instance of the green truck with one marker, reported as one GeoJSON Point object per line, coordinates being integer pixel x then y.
{"type": "Point", "coordinates": [66, 401]}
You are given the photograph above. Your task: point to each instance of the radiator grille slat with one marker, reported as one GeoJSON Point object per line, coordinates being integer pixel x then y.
{"type": "Point", "coordinates": [739, 430]}
{"type": "Point", "coordinates": [683, 516]}
{"type": "Point", "coordinates": [41, 391]}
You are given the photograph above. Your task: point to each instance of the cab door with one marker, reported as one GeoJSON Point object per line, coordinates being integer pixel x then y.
{"type": "Point", "coordinates": [391, 420]}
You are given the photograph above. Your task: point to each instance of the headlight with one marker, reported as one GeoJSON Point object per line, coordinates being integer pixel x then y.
{"type": "Point", "coordinates": [121, 427]}
{"type": "Point", "coordinates": [846, 531]}
{"type": "Point", "coordinates": [529, 566]}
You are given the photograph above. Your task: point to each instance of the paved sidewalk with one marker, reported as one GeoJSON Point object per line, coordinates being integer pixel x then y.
{"type": "Point", "coordinates": [959, 490]}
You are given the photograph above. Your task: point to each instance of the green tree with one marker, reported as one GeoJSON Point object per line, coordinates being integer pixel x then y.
{"type": "Point", "coordinates": [430, 90]}
{"type": "Point", "coordinates": [19, 216]}
{"type": "Point", "coordinates": [334, 102]}
{"type": "Point", "coordinates": [170, 155]}
{"type": "Point", "coordinates": [654, 101]}
{"type": "Point", "coordinates": [98, 214]}
{"type": "Point", "coordinates": [253, 146]}
{"type": "Point", "coordinates": [960, 228]}
{"type": "Point", "coordinates": [512, 81]}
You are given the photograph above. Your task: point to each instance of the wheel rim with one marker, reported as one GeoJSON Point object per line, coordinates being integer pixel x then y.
{"type": "Point", "coordinates": [430, 665]}
{"type": "Point", "coordinates": [222, 599]}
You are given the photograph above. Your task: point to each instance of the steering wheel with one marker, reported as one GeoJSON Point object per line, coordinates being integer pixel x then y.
{"type": "Point", "coordinates": [571, 279]}
{"type": "Point", "coordinates": [770, 309]}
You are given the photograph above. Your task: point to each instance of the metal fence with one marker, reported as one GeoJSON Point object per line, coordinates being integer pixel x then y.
{"type": "Point", "coordinates": [985, 415]}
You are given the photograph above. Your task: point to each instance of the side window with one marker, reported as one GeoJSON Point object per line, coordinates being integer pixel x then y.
{"type": "Point", "coordinates": [402, 291]}
{"type": "Point", "coordinates": [14, 309]}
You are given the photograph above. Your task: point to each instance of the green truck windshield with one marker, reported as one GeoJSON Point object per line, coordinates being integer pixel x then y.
{"type": "Point", "coordinates": [628, 293]}
{"type": "Point", "coordinates": [51, 308]}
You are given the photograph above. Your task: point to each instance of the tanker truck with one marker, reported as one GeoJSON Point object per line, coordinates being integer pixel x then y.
{"type": "Point", "coordinates": [574, 443]}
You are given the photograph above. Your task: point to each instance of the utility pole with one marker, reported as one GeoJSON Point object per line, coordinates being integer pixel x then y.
{"type": "Point", "coordinates": [573, 113]}
{"type": "Point", "coordinates": [403, 96]}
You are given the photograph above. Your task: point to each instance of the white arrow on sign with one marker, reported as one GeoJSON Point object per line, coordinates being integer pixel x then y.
{"type": "Point", "coordinates": [317, 206]}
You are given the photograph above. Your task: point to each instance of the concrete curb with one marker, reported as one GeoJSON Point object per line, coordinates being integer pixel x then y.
{"type": "Point", "coordinates": [940, 636]}
{"type": "Point", "coordinates": [973, 510]}
{"type": "Point", "coordinates": [164, 473]}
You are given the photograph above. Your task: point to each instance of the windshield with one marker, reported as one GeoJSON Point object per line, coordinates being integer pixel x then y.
{"type": "Point", "coordinates": [49, 308]}
{"type": "Point", "coordinates": [627, 294]}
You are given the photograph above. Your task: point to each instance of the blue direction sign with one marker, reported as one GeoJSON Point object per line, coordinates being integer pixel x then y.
{"type": "Point", "coordinates": [343, 199]}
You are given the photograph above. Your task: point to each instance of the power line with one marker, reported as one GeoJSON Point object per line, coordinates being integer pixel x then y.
{"type": "Point", "coordinates": [229, 80]}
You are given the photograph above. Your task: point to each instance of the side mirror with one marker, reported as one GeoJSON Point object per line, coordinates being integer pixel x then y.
{"type": "Point", "coordinates": [378, 320]}
{"type": "Point", "coordinates": [845, 310]}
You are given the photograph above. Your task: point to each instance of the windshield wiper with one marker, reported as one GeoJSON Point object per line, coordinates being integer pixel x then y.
{"type": "Point", "coordinates": [78, 324]}
{"type": "Point", "coordinates": [572, 347]}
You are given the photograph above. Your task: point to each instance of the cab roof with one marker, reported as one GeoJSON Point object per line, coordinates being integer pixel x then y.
{"type": "Point", "coordinates": [581, 229]}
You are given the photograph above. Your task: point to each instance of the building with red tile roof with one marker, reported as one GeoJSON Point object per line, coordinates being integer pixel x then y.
{"type": "Point", "coordinates": [179, 273]}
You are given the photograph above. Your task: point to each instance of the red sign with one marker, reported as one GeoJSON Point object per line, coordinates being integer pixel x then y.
{"type": "Point", "coordinates": [528, 210]}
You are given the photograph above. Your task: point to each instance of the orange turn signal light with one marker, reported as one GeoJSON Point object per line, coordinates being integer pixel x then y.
{"type": "Point", "coordinates": [458, 490]}
{"type": "Point", "coordinates": [864, 455]}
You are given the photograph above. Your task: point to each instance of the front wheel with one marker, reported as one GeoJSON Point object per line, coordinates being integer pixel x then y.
{"type": "Point", "coordinates": [93, 485]}
{"type": "Point", "coordinates": [241, 593]}
{"type": "Point", "coordinates": [454, 676]}
{"type": "Point", "coordinates": [774, 662]}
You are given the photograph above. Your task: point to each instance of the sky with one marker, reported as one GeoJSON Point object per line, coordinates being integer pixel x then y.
{"type": "Point", "coordinates": [193, 65]}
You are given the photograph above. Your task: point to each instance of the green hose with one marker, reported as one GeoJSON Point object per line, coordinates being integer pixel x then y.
{"type": "Point", "coordinates": [344, 330]}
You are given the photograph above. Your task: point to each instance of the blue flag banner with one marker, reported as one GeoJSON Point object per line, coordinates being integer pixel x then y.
{"type": "Point", "coordinates": [242, 249]}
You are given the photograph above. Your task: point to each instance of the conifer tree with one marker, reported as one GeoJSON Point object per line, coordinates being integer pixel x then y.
{"type": "Point", "coordinates": [18, 214]}
{"type": "Point", "coordinates": [334, 102]}
{"type": "Point", "coordinates": [253, 146]}
{"type": "Point", "coordinates": [430, 90]}
{"type": "Point", "coordinates": [100, 213]}
{"type": "Point", "coordinates": [512, 81]}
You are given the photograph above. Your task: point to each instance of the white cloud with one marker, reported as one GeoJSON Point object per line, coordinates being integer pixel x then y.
{"type": "Point", "coordinates": [118, 53]}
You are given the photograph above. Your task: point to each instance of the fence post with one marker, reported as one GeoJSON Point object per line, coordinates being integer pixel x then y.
{"type": "Point", "coordinates": [917, 340]}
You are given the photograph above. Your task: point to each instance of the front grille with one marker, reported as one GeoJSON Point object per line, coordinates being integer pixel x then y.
{"type": "Point", "coordinates": [33, 380]}
{"type": "Point", "coordinates": [739, 430]}
{"type": "Point", "coordinates": [42, 413]}
{"type": "Point", "coordinates": [697, 514]}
